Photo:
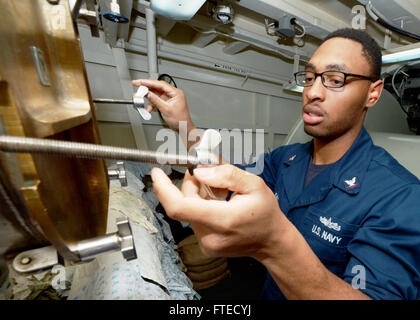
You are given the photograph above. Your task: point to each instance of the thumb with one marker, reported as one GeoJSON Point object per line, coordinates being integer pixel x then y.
{"type": "Point", "coordinates": [229, 177]}
{"type": "Point", "coordinates": [210, 213]}
{"type": "Point", "coordinates": [163, 186]}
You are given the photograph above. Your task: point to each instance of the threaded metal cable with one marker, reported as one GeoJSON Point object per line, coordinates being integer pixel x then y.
{"type": "Point", "coordinates": [91, 151]}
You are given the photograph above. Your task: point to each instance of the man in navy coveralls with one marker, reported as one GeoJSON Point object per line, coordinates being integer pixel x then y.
{"type": "Point", "coordinates": [335, 218]}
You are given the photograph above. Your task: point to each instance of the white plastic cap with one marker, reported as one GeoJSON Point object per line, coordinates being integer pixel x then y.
{"type": "Point", "coordinates": [209, 141]}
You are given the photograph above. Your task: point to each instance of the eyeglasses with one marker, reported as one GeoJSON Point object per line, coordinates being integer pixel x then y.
{"type": "Point", "coordinates": [330, 79]}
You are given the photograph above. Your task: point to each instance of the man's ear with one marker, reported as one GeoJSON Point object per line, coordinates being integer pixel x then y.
{"type": "Point", "coordinates": [375, 91]}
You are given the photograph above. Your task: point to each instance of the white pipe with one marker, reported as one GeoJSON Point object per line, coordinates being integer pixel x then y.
{"type": "Point", "coordinates": [121, 64]}
{"type": "Point", "coordinates": [151, 44]}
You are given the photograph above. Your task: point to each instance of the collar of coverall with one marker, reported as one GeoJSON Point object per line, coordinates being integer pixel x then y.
{"type": "Point", "coordinates": [347, 173]}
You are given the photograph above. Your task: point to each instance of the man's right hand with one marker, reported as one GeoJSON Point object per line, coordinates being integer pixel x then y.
{"type": "Point", "coordinates": [249, 224]}
{"type": "Point", "coordinates": [169, 100]}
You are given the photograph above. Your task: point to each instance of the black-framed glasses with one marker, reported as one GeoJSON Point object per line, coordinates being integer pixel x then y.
{"type": "Point", "coordinates": [330, 78]}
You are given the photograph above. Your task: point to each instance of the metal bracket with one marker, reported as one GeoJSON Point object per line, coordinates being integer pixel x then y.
{"type": "Point", "coordinates": [120, 241]}
{"type": "Point", "coordinates": [119, 174]}
{"type": "Point", "coordinates": [37, 259]}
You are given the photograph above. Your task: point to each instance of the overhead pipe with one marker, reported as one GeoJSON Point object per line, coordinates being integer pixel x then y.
{"type": "Point", "coordinates": [151, 44]}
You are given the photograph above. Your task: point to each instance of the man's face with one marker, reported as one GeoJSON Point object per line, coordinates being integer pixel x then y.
{"type": "Point", "coordinates": [330, 113]}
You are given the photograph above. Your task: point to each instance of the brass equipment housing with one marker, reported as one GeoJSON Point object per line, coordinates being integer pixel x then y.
{"type": "Point", "coordinates": [44, 93]}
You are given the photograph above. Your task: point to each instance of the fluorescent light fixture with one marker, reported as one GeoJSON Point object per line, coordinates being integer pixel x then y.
{"type": "Point", "coordinates": [176, 9]}
{"type": "Point", "coordinates": [401, 56]}
{"type": "Point", "coordinates": [292, 87]}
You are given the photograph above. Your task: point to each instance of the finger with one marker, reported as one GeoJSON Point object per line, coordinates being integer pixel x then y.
{"type": "Point", "coordinates": [164, 186]}
{"type": "Point", "coordinates": [157, 102]}
{"type": "Point", "coordinates": [220, 193]}
{"type": "Point", "coordinates": [228, 177]}
{"type": "Point", "coordinates": [156, 85]}
{"type": "Point", "coordinates": [190, 186]}
{"type": "Point", "coordinates": [212, 214]}
{"type": "Point", "coordinates": [150, 107]}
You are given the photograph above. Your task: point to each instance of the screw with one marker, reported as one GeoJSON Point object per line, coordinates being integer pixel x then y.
{"type": "Point", "coordinates": [25, 260]}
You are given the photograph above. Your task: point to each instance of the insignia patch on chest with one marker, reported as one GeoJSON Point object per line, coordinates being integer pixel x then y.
{"type": "Point", "coordinates": [328, 223]}
{"type": "Point", "coordinates": [351, 183]}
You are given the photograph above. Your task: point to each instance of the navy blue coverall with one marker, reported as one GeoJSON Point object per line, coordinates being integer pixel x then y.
{"type": "Point", "coordinates": [361, 216]}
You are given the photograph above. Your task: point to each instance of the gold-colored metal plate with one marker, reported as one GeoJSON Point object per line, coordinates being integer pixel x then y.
{"type": "Point", "coordinates": [48, 97]}
{"type": "Point", "coordinates": [49, 28]}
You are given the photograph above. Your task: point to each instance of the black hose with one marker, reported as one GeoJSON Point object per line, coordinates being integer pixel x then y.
{"type": "Point", "coordinates": [400, 31]}
{"type": "Point", "coordinates": [377, 17]}
{"type": "Point", "coordinates": [163, 75]}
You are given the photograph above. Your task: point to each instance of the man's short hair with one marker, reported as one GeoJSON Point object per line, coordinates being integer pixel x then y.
{"type": "Point", "coordinates": [370, 48]}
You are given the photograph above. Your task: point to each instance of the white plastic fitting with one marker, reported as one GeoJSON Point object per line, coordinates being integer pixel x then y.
{"type": "Point", "coordinates": [138, 100]}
